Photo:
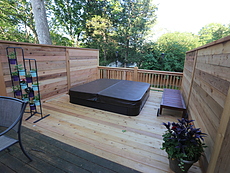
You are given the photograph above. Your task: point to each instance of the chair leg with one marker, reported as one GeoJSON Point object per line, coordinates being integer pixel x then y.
{"type": "Point", "coordinates": [24, 151]}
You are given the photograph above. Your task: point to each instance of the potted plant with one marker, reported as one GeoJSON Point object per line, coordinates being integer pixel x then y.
{"type": "Point", "coordinates": [35, 86]}
{"type": "Point", "coordinates": [32, 105]}
{"type": "Point", "coordinates": [29, 91]}
{"type": "Point", "coordinates": [17, 90]}
{"type": "Point", "coordinates": [23, 83]}
{"type": "Point", "coordinates": [20, 69]}
{"type": "Point", "coordinates": [25, 97]}
{"type": "Point", "coordinates": [28, 78]}
{"type": "Point", "coordinates": [37, 100]}
{"type": "Point", "coordinates": [12, 58]}
{"type": "Point", "coordinates": [33, 72]}
{"type": "Point", "coordinates": [15, 76]}
{"type": "Point", "coordinates": [184, 144]}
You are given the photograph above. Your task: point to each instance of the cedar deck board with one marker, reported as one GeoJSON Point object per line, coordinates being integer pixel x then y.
{"type": "Point", "coordinates": [99, 133]}
{"type": "Point", "coordinates": [50, 155]}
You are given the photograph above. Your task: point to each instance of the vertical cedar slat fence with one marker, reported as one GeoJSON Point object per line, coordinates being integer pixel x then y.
{"type": "Point", "coordinates": [157, 79]}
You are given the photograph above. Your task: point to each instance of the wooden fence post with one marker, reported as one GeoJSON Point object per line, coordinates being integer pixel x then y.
{"type": "Point", "coordinates": [193, 74]}
{"type": "Point", "coordinates": [68, 69]}
{"type": "Point", "coordinates": [220, 137]}
{"type": "Point", "coordinates": [135, 74]}
{"type": "Point", "coordinates": [124, 75]}
{"type": "Point", "coordinates": [2, 83]}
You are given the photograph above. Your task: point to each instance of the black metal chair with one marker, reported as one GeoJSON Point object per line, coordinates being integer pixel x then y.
{"type": "Point", "coordinates": [11, 112]}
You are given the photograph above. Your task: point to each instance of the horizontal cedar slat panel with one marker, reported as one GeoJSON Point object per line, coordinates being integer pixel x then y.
{"type": "Point", "coordinates": [52, 64]}
{"type": "Point", "coordinates": [223, 72]}
{"type": "Point", "coordinates": [209, 89]}
{"type": "Point", "coordinates": [80, 53]}
{"type": "Point", "coordinates": [83, 63]}
{"type": "Point", "coordinates": [219, 84]}
{"type": "Point", "coordinates": [219, 60]}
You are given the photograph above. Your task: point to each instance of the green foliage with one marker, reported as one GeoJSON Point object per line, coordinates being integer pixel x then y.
{"type": "Point", "coordinates": [132, 23]}
{"type": "Point", "coordinates": [28, 75]}
{"type": "Point", "coordinates": [12, 55]}
{"type": "Point", "coordinates": [69, 17]}
{"type": "Point", "coordinates": [16, 88]}
{"type": "Point", "coordinates": [102, 32]}
{"type": "Point", "coordinates": [19, 67]}
{"type": "Point", "coordinates": [37, 97]}
{"type": "Point", "coordinates": [151, 59]}
{"type": "Point", "coordinates": [110, 26]}
{"type": "Point", "coordinates": [170, 146]}
{"type": "Point", "coordinates": [15, 73]}
{"type": "Point", "coordinates": [59, 39]}
{"type": "Point", "coordinates": [16, 21]}
{"type": "Point", "coordinates": [212, 32]}
{"type": "Point", "coordinates": [174, 46]}
{"type": "Point", "coordinates": [182, 141]}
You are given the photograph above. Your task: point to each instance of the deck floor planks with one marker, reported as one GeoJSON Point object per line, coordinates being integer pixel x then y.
{"type": "Point", "coordinates": [50, 155]}
{"type": "Point", "coordinates": [111, 145]}
{"type": "Point", "coordinates": [116, 120]}
{"type": "Point", "coordinates": [100, 132]}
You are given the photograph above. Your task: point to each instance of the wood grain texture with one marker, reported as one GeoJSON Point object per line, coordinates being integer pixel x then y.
{"type": "Point", "coordinates": [222, 142]}
{"type": "Point", "coordinates": [2, 82]}
{"type": "Point", "coordinates": [207, 101]}
{"type": "Point", "coordinates": [133, 141]}
{"type": "Point", "coordinates": [59, 67]}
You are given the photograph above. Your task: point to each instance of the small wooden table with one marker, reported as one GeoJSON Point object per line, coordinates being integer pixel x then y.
{"type": "Point", "coordinates": [172, 99]}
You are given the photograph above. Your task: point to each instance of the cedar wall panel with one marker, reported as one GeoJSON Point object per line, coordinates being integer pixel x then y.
{"type": "Point", "coordinates": [53, 64]}
{"type": "Point", "coordinates": [205, 87]}
{"type": "Point", "coordinates": [83, 66]}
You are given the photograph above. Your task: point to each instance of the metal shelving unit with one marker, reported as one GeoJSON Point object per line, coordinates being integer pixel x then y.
{"type": "Point", "coordinates": [20, 80]}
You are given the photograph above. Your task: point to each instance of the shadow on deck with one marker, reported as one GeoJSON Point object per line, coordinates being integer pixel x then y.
{"type": "Point", "coordinates": [50, 155]}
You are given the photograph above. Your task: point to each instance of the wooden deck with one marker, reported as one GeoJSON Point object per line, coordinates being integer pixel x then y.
{"type": "Point", "coordinates": [130, 141]}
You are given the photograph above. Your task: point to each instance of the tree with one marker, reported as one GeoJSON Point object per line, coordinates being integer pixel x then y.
{"type": "Point", "coordinates": [41, 23]}
{"type": "Point", "coordinates": [68, 18]}
{"type": "Point", "coordinates": [16, 21]}
{"type": "Point", "coordinates": [102, 31]}
{"type": "Point", "coordinates": [132, 23]}
{"type": "Point", "coordinates": [174, 46]}
{"type": "Point", "coordinates": [212, 32]}
{"type": "Point", "coordinates": [151, 57]}
{"type": "Point", "coordinates": [59, 39]}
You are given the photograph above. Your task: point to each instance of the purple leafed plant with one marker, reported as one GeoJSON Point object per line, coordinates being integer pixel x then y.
{"type": "Point", "coordinates": [183, 141]}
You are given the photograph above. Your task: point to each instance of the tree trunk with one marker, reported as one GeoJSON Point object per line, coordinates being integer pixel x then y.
{"type": "Point", "coordinates": [41, 23]}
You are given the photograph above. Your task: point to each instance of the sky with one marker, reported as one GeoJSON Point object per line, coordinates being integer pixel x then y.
{"type": "Point", "coordinates": [189, 15]}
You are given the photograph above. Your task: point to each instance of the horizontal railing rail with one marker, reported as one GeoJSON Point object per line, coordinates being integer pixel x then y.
{"type": "Point", "coordinates": [157, 79]}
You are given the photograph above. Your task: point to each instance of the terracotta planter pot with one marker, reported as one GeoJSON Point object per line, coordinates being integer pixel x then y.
{"type": "Point", "coordinates": [173, 164]}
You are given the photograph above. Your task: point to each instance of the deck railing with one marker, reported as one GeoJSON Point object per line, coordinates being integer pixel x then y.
{"type": "Point", "coordinates": [157, 79]}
